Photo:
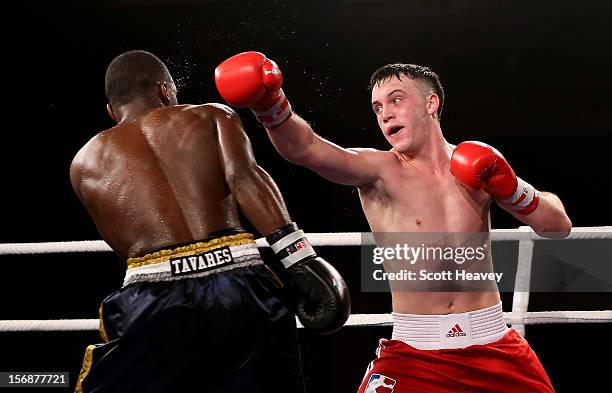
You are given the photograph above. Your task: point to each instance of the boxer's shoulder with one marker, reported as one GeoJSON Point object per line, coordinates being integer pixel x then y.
{"type": "Point", "coordinates": [209, 110]}
{"type": "Point", "coordinates": [207, 113]}
{"type": "Point", "coordinates": [84, 162]}
{"type": "Point", "coordinates": [374, 156]}
{"type": "Point", "coordinates": [88, 149]}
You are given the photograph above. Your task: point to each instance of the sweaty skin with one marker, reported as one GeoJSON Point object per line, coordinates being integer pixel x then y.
{"type": "Point", "coordinates": [397, 203]}
{"type": "Point", "coordinates": [173, 175]}
{"type": "Point", "coordinates": [410, 187]}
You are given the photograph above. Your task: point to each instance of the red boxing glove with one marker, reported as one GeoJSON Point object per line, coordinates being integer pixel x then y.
{"type": "Point", "coordinates": [251, 80]}
{"type": "Point", "coordinates": [478, 165]}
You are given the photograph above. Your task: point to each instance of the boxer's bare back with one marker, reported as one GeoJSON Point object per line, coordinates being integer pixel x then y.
{"type": "Point", "coordinates": [161, 178]}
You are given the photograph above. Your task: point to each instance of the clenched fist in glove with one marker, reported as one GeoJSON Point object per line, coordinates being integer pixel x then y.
{"type": "Point", "coordinates": [478, 165]}
{"type": "Point", "coordinates": [251, 80]}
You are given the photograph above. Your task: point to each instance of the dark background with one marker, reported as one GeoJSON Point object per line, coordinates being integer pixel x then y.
{"type": "Point", "coordinates": [530, 78]}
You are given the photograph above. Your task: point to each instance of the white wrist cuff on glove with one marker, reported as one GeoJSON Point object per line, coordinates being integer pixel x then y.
{"type": "Point", "coordinates": [275, 115]}
{"type": "Point", "coordinates": [302, 247]}
{"type": "Point", "coordinates": [523, 196]}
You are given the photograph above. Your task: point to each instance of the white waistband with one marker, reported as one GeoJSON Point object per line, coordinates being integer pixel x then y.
{"type": "Point", "coordinates": [448, 331]}
{"type": "Point", "coordinates": [242, 255]}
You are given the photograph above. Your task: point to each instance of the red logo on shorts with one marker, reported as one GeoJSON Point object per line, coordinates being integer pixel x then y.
{"type": "Point", "coordinates": [455, 332]}
{"type": "Point", "coordinates": [378, 383]}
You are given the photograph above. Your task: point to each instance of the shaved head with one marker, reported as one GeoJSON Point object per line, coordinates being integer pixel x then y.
{"type": "Point", "coordinates": [132, 74]}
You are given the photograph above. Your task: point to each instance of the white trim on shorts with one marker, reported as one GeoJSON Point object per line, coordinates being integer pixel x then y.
{"type": "Point", "coordinates": [431, 332]}
{"type": "Point", "coordinates": [243, 255]}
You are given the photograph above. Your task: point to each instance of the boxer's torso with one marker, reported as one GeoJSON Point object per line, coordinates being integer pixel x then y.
{"type": "Point", "coordinates": [156, 180]}
{"type": "Point", "coordinates": [416, 198]}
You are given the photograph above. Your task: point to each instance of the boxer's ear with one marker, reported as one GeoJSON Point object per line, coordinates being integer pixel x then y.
{"type": "Point", "coordinates": [433, 103]}
{"type": "Point", "coordinates": [164, 93]}
{"type": "Point", "coordinates": [109, 109]}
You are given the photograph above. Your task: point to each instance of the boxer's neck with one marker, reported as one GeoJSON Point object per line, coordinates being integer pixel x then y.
{"type": "Point", "coordinates": [433, 152]}
{"type": "Point", "coordinates": [137, 107]}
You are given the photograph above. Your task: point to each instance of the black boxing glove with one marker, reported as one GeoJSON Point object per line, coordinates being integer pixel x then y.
{"type": "Point", "coordinates": [322, 299]}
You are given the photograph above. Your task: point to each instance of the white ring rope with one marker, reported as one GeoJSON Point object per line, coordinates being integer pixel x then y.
{"type": "Point", "coordinates": [532, 318]}
{"type": "Point", "coordinates": [50, 325]}
{"type": "Point", "coordinates": [518, 318]}
{"type": "Point", "coordinates": [316, 239]}
{"type": "Point", "coordinates": [356, 320]}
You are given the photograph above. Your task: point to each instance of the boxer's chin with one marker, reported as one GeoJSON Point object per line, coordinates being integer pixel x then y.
{"type": "Point", "coordinates": [404, 145]}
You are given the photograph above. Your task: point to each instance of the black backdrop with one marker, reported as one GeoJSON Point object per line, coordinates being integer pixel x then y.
{"type": "Point", "coordinates": [531, 78]}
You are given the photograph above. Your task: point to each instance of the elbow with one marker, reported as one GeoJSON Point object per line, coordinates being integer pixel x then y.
{"type": "Point", "coordinates": [238, 179]}
{"type": "Point", "coordinates": [558, 229]}
{"type": "Point", "coordinates": [566, 227]}
{"type": "Point", "coordinates": [296, 150]}
{"type": "Point", "coordinates": [289, 155]}
{"type": "Point", "coordinates": [296, 157]}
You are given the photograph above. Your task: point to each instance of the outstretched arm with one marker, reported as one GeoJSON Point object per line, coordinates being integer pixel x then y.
{"type": "Point", "coordinates": [297, 143]}
{"type": "Point", "coordinates": [251, 80]}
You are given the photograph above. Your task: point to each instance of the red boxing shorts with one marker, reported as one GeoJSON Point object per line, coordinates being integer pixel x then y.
{"type": "Point", "coordinates": [473, 352]}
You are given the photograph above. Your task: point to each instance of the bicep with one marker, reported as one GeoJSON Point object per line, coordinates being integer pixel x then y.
{"type": "Point", "coordinates": [235, 151]}
{"type": "Point", "coordinates": [352, 167]}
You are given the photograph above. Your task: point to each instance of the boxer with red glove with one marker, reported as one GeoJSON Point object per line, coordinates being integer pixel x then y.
{"type": "Point", "coordinates": [478, 165]}
{"type": "Point", "coordinates": [250, 80]}
{"type": "Point", "coordinates": [407, 100]}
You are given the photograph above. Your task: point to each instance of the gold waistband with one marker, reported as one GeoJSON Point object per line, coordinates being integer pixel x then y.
{"type": "Point", "coordinates": [191, 249]}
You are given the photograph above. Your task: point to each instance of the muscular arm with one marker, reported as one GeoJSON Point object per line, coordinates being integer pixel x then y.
{"type": "Point", "coordinates": [78, 175]}
{"type": "Point", "coordinates": [256, 193]}
{"type": "Point", "coordinates": [249, 79]}
{"type": "Point", "coordinates": [548, 220]}
{"type": "Point", "coordinates": [296, 142]}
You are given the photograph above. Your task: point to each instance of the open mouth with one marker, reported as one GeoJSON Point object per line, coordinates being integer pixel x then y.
{"type": "Point", "coordinates": [395, 130]}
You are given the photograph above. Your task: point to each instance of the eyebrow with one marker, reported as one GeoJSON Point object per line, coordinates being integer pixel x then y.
{"type": "Point", "coordinates": [389, 94]}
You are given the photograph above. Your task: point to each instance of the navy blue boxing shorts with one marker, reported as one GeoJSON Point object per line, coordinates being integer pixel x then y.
{"type": "Point", "coordinates": [205, 317]}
